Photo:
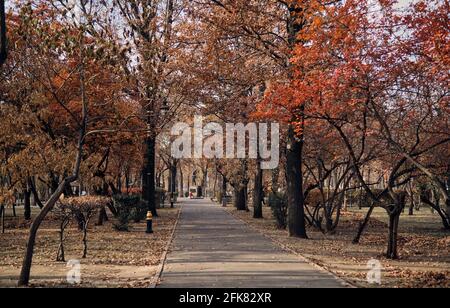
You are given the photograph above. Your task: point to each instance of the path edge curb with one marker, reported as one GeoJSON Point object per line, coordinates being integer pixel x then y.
{"type": "Point", "coordinates": [344, 282]}
{"type": "Point", "coordinates": [156, 278]}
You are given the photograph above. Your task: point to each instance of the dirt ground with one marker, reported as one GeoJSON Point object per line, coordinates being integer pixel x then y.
{"type": "Point", "coordinates": [115, 259]}
{"type": "Point", "coordinates": [424, 248]}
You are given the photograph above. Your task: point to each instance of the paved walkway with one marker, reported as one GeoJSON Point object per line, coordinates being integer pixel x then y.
{"type": "Point", "coordinates": [212, 249]}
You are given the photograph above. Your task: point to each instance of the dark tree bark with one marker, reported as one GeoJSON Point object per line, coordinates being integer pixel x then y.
{"type": "Point", "coordinates": [119, 183]}
{"type": "Point", "coordinates": [61, 256]}
{"type": "Point", "coordinates": [294, 177]}
{"type": "Point", "coordinates": [214, 193]}
{"type": "Point", "coordinates": [411, 207]}
{"type": "Point", "coordinates": [181, 181]}
{"type": "Point", "coordinates": [35, 193]}
{"type": "Point", "coordinates": [224, 191]}
{"type": "Point", "coordinates": [412, 204]}
{"type": "Point", "coordinates": [294, 168]}
{"type": "Point", "coordinates": [148, 176]}
{"type": "Point", "coordinates": [79, 217]}
{"type": "Point", "coordinates": [112, 209]}
{"type": "Point", "coordinates": [394, 219]}
{"type": "Point", "coordinates": [444, 216]}
{"type": "Point", "coordinates": [27, 204]}
{"type": "Point", "coordinates": [54, 182]}
{"type": "Point", "coordinates": [258, 192]}
{"type": "Point", "coordinates": [127, 181]}
{"type": "Point", "coordinates": [447, 201]}
{"type": "Point", "coordinates": [240, 198]}
{"type": "Point", "coordinates": [204, 182]}
{"type": "Point", "coordinates": [102, 217]}
{"type": "Point", "coordinates": [3, 48]}
{"type": "Point", "coordinates": [2, 217]}
{"type": "Point", "coordinates": [88, 215]}
{"type": "Point", "coordinates": [363, 225]}
{"type": "Point", "coordinates": [275, 179]}
{"type": "Point", "coordinates": [394, 212]}
{"type": "Point", "coordinates": [26, 266]}
{"type": "Point", "coordinates": [172, 180]}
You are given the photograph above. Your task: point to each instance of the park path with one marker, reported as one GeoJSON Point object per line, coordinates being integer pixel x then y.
{"type": "Point", "coordinates": [212, 249]}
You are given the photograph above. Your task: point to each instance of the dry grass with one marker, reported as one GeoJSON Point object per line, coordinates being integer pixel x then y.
{"type": "Point", "coordinates": [424, 248]}
{"type": "Point", "coordinates": [115, 259]}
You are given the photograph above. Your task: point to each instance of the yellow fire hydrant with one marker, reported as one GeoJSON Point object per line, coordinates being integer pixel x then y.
{"type": "Point", "coordinates": [149, 222]}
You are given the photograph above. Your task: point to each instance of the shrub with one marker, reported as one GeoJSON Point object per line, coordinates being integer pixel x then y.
{"type": "Point", "coordinates": [139, 211]}
{"type": "Point", "coordinates": [85, 207]}
{"type": "Point", "coordinates": [128, 207]}
{"type": "Point", "coordinates": [278, 204]}
{"type": "Point", "coordinates": [63, 214]}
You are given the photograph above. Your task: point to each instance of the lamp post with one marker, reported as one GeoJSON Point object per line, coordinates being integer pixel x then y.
{"type": "Point", "coordinates": [172, 184]}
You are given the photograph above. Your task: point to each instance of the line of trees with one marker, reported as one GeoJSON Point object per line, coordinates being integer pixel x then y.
{"type": "Point", "coordinates": [361, 86]}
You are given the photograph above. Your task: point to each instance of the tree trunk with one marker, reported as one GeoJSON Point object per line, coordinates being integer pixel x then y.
{"type": "Point", "coordinates": [102, 217]}
{"type": "Point", "coordinates": [411, 206]}
{"type": "Point", "coordinates": [394, 219]}
{"type": "Point", "coordinates": [181, 181]}
{"type": "Point", "coordinates": [27, 204]}
{"type": "Point", "coordinates": [189, 182]}
{"type": "Point", "coordinates": [294, 177]}
{"type": "Point", "coordinates": [294, 168]}
{"type": "Point", "coordinates": [119, 183]}
{"type": "Point", "coordinates": [26, 266]}
{"type": "Point", "coordinates": [148, 176]}
{"type": "Point", "coordinates": [214, 193]}
{"type": "Point", "coordinates": [24, 278]}
{"type": "Point", "coordinates": [2, 217]}
{"type": "Point", "coordinates": [85, 246]}
{"type": "Point", "coordinates": [275, 179]}
{"type": "Point", "coordinates": [258, 192]}
{"type": "Point", "coordinates": [79, 217]}
{"type": "Point", "coordinates": [3, 51]}
{"type": "Point", "coordinates": [448, 210]}
{"type": "Point", "coordinates": [444, 216]}
{"type": "Point", "coordinates": [447, 200]}
{"type": "Point", "coordinates": [224, 191]}
{"type": "Point", "coordinates": [127, 181]}
{"type": "Point", "coordinates": [239, 199]}
{"type": "Point", "coordinates": [61, 252]}
{"type": "Point", "coordinates": [35, 193]}
{"type": "Point", "coordinates": [112, 209]}
{"type": "Point", "coordinates": [173, 183]}
{"type": "Point", "coordinates": [329, 224]}
{"type": "Point", "coordinates": [362, 226]}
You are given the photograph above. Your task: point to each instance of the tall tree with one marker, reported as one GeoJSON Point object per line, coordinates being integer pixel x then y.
{"type": "Point", "coordinates": [355, 73]}
{"type": "Point", "coordinates": [73, 89]}
{"type": "Point", "coordinates": [148, 33]}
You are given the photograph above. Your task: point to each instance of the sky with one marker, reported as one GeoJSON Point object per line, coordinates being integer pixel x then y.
{"type": "Point", "coordinates": [402, 3]}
